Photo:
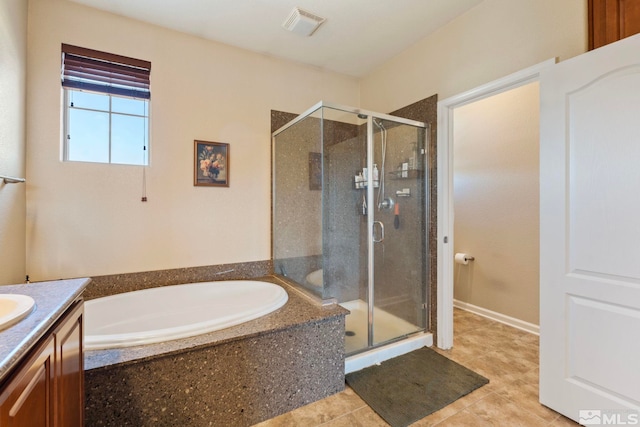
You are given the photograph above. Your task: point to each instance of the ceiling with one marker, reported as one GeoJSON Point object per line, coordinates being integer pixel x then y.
{"type": "Point", "coordinates": [357, 36]}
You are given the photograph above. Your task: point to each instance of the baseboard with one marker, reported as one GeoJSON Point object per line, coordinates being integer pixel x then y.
{"type": "Point", "coordinates": [498, 317]}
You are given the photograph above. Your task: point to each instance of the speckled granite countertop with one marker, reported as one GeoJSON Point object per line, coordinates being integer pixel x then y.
{"type": "Point", "coordinates": [299, 309]}
{"type": "Point", "coordinates": [52, 299]}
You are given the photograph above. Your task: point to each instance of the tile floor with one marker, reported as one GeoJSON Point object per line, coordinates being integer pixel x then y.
{"type": "Point", "coordinates": [505, 355]}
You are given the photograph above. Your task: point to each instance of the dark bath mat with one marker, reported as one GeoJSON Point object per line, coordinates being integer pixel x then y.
{"type": "Point", "coordinates": [407, 388]}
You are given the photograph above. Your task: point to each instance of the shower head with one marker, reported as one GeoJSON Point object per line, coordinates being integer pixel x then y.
{"type": "Point", "coordinates": [362, 116]}
{"type": "Point", "coordinates": [380, 125]}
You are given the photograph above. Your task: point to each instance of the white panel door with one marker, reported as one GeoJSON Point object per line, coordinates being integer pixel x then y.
{"type": "Point", "coordinates": [590, 235]}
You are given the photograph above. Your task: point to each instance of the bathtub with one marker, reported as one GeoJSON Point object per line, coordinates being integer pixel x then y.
{"type": "Point", "coordinates": [315, 279]}
{"type": "Point", "coordinates": [171, 312]}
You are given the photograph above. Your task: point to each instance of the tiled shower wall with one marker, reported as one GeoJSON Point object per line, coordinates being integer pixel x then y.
{"type": "Point", "coordinates": [302, 216]}
{"type": "Point", "coordinates": [297, 248]}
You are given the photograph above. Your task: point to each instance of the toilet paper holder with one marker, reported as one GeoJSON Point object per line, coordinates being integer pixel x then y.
{"type": "Point", "coordinates": [462, 258]}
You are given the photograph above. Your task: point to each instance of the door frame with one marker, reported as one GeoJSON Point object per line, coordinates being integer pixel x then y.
{"type": "Point", "coordinates": [444, 187]}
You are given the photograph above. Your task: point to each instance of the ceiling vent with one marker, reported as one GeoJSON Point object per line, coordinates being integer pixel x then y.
{"type": "Point", "coordinates": [302, 22]}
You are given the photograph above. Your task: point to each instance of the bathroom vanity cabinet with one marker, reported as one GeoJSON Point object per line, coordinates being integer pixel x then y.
{"type": "Point", "coordinates": [47, 386]}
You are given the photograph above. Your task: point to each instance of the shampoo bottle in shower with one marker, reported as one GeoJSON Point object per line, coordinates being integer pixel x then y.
{"type": "Point", "coordinates": [376, 176]}
{"type": "Point", "coordinates": [413, 160]}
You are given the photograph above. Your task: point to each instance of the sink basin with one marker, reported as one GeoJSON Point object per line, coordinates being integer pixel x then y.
{"type": "Point", "coordinates": [13, 308]}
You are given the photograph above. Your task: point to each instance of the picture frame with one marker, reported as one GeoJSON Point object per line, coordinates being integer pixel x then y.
{"type": "Point", "coordinates": [211, 164]}
{"type": "Point", "coordinates": [315, 171]}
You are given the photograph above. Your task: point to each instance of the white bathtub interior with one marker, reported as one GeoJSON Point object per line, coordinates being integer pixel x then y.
{"type": "Point", "coordinates": [314, 278]}
{"type": "Point", "coordinates": [172, 312]}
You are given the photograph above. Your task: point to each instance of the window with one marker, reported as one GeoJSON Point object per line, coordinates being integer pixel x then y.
{"type": "Point", "coordinates": [106, 107]}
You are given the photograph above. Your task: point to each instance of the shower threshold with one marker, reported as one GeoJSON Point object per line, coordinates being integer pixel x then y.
{"type": "Point", "coordinates": [387, 327]}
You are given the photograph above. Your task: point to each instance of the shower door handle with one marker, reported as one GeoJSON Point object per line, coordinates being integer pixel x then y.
{"type": "Point", "coordinates": [374, 235]}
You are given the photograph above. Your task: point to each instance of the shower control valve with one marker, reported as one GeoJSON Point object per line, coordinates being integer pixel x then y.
{"type": "Point", "coordinates": [387, 203]}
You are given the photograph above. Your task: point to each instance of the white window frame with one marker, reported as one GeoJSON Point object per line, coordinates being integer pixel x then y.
{"type": "Point", "coordinates": [66, 120]}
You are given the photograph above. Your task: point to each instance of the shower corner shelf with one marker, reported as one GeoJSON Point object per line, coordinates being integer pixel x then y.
{"type": "Point", "coordinates": [407, 174]}
{"type": "Point", "coordinates": [376, 184]}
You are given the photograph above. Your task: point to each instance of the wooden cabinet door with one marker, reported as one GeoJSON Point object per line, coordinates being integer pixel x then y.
{"type": "Point", "coordinates": [612, 20]}
{"type": "Point", "coordinates": [70, 370]}
{"type": "Point", "coordinates": [27, 400]}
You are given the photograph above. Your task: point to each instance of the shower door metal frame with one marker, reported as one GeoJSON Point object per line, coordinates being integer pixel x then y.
{"type": "Point", "coordinates": [370, 198]}
{"type": "Point", "coordinates": [371, 239]}
{"type": "Point", "coordinates": [357, 111]}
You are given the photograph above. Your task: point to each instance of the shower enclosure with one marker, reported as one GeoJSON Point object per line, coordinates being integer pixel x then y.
{"type": "Point", "coordinates": [350, 218]}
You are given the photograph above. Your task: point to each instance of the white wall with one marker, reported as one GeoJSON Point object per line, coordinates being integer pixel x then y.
{"type": "Point", "coordinates": [13, 68]}
{"type": "Point", "coordinates": [496, 202]}
{"type": "Point", "coordinates": [490, 41]}
{"type": "Point", "coordinates": [87, 219]}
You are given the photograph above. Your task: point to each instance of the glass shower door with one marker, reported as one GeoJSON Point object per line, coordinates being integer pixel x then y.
{"type": "Point", "coordinates": [399, 230]}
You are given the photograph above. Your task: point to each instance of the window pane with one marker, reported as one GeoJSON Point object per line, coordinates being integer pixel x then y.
{"type": "Point", "coordinates": [129, 106]}
{"type": "Point", "coordinates": [94, 101]}
{"type": "Point", "coordinates": [89, 136]}
{"type": "Point", "coordinates": [128, 137]}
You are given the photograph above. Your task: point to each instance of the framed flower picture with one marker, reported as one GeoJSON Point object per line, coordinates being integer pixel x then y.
{"type": "Point", "coordinates": [315, 171]}
{"type": "Point", "coordinates": [211, 166]}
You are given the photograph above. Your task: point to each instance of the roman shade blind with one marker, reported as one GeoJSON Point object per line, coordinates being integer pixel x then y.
{"type": "Point", "coordinates": [105, 72]}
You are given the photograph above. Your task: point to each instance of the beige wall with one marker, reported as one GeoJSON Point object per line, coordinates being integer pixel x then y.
{"type": "Point", "coordinates": [496, 202]}
{"type": "Point", "coordinates": [87, 219]}
{"type": "Point", "coordinates": [13, 68]}
{"type": "Point", "coordinates": [492, 40]}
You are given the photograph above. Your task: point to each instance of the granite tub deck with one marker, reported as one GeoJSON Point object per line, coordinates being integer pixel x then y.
{"type": "Point", "coordinates": [237, 376]}
{"type": "Point", "coordinates": [52, 299]}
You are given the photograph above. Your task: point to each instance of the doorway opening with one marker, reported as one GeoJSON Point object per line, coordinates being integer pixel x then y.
{"type": "Point", "coordinates": [446, 153]}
